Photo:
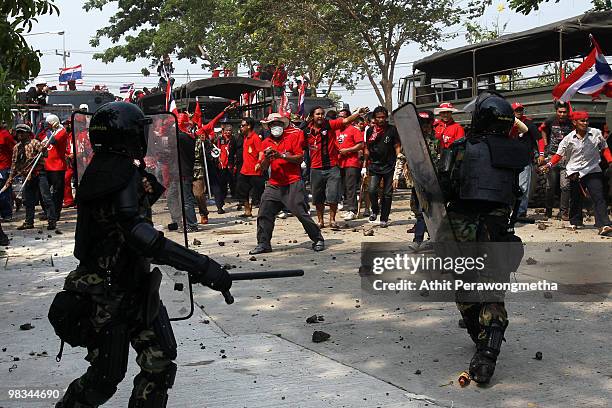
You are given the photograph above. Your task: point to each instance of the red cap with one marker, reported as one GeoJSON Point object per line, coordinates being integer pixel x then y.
{"type": "Point", "coordinates": [517, 105]}
{"type": "Point", "coordinates": [577, 115]}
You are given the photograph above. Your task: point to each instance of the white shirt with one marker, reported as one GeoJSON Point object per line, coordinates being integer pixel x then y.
{"type": "Point", "coordinates": [582, 155]}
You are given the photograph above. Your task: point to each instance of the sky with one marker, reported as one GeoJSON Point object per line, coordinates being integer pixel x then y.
{"type": "Point", "coordinates": [79, 26]}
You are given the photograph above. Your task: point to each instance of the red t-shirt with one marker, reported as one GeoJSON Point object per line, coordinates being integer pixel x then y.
{"type": "Point", "coordinates": [224, 146]}
{"type": "Point", "coordinates": [279, 78]}
{"type": "Point", "coordinates": [448, 132]}
{"type": "Point", "coordinates": [322, 144]}
{"type": "Point", "coordinates": [250, 154]}
{"type": "Point", "coordinates": [282, 172]}
{"type": "Point", "coordinates": [56, 153]}
{"type": "Point", "coordinates": [347, 138]}
{"type": "Point", "coordinates": [6, 149]}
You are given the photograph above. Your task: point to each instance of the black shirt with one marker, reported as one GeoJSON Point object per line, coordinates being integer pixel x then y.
{"type": "Point", "coordinates": [556, 131]}
{"type": "Point", "coordinates": [382, 150]}
{"type": "Point", "coordinates": [186, 147]}
{"type": "Point", "coordinates": [531, 137]}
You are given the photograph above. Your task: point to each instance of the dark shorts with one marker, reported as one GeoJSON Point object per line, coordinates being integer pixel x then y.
{"type": "Point", "coordinates": [249, 184]}
{"type": "Point", "coordinates": [326, 185]}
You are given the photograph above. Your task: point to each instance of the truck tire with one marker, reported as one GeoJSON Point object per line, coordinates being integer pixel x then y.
{"type": "Point", "coordinates": [537, 198]}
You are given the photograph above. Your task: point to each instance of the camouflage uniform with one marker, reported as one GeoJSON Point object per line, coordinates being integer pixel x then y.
{"type": "Point", "coordinates": [478, 221]}
{"type": "Point", "coordinates": [117, 316]}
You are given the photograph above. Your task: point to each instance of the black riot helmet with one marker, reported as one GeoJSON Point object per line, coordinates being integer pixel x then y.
{"type": "Point", "coordinates": [492, 115]}
{"type": "Point", "coordinates": [119, 127]}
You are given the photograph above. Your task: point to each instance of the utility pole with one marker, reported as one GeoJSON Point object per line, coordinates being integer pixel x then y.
{"type": "Point", "coordinates": [64, 54]}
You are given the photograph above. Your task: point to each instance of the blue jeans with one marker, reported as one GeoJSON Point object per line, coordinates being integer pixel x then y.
{"type": "Point", "coordinates": [173, 196]}
{"type": "Point", "coordinates": [33, 187]}
{"type": "Point", "coordinates": [6, 198]}
{"type": "Point", "coordinates": [525, 185]}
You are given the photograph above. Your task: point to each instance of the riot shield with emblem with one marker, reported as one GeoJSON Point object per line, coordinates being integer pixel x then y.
{"type": "Point", "coordinates": [167, 214]}
{"type": "Point", "coordinates": [423, 171]}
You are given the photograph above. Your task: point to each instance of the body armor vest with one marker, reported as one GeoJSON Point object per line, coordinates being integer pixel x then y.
{"type": "Point", "coordinates": [480, 180]}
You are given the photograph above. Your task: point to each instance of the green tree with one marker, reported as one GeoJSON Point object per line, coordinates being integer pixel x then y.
{"type": "Point", "coordinates": [527, 6]}
{"type": "Point", "coordinates": [19, 62]}
{"type": "Point", "coordinates": [376, 31]}
{"type": "Point", "coordinates": [223, 33]}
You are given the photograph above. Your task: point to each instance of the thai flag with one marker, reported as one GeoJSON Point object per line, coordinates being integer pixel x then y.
{"type": "Point", "coordinates": [73, 73]}
{"type": "Point", "coordinates": [301, 98]}
{"type": "Point", "coordinates": [126, 88]}
{"type": "Point", "coordinates": [592, 77]}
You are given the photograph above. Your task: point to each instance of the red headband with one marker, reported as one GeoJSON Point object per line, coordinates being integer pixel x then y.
{"type": "Point", "coordinates": [577, 115]}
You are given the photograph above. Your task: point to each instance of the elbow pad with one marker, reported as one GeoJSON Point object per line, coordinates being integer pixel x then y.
{"type": "Point", "coordinates": [152, 243]}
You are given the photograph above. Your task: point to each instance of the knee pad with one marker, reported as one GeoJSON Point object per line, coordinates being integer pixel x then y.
{"type": "Point", "coordinates": [163, 331]}
{"type": "Point", "coordinates": [111, 363]}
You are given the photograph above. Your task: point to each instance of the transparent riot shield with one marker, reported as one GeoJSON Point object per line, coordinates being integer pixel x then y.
{"type": "Point", "coordinates": [81, 147]}
{"type": "Point", "coordinates": [424, 175]}
{"type": "Point", "coordinates": [167, 213]}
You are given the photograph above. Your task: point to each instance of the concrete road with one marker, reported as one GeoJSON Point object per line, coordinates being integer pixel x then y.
{"type": "Point", "coordinates": [383, 351]}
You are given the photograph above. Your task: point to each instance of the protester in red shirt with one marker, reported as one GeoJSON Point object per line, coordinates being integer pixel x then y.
{"type": "Point", "coordinates": [320, 139]}
{"type": "Point", "coordinates": [350, 144]}
{"type": "Point", "coordinates": [68, 198]}
{"type": "Point", "coordinates": [55, 167]}
{"type": "Point", "coordinates": [6, 153]}
{"type": "Point", "coordinates": [447, 130]}
{"type": "Point", "coordinates": [250, 181]}
{"type": "Point", "coordinates": [278, 80]}
{"type": "Point", "coordinates": [283, 154]}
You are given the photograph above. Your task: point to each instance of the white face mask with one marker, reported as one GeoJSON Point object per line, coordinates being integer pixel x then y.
{"type": "Point", "coordinates": [276, 131]}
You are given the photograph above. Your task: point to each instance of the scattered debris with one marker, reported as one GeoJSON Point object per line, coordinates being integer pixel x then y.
{"type": "Point", "coordinates": [312, 319]}
{"type": "Point", "coordinates": [236, 241]}
{"type": "Point", "coordinates": [547, 250]}
{"type": "Point", "coordinates": [197, 242]}
{"type": "Point", "coordinates": [252, 258]}
{"type": "Point", "coordinates": [538, 355]}
{"type": "Point", "coordinates": [531, 261]}
{"type": "Point", "coordinates": [320, 336]}
{"type": "Point", "coordinates": [418, 372]}
{"type": "Point", "coordinates": [26, 326]}
{"type": "Point", "coordinates": [368, 232]}
{"type": "Point", "coordinates": [58, 232]}
{"type": "Point", "coordinates": [221, 243]}
{"type": "Point", "coordinates": [542, 226]}
{"type": "Point", "coordinates": [548, 295]}
{"type": "Point", "coordinates": [464, 379]}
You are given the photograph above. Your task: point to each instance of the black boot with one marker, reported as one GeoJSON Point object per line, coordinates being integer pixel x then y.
{"type": "Point", "coordinates": [483, 363]}
{"type": "Point", "coordinates": [548, 213]}
{"type": "Point", "coordinates": [471, 322]}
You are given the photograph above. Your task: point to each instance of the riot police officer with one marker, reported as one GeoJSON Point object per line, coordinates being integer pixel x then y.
{"type": "Point", "coordinates": [480, 176]}
{"type": "Point", "coordinates": [112, 298]}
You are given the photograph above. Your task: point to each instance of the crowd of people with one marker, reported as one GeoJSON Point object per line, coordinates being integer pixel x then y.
{"type": "Point", "coordinates": [337, 160]}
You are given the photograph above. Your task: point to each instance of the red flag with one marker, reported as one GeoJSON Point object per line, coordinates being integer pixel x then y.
{"type": "Point", "coordinates": [282, 108]}
{"type": "Point", "coordinates": [197, 115]}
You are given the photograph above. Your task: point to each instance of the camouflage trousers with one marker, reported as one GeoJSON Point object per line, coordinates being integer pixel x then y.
{"type": "Point", "coordinates": [490, 226]}
{"type": "Point", "coordinates": [116, 322]}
